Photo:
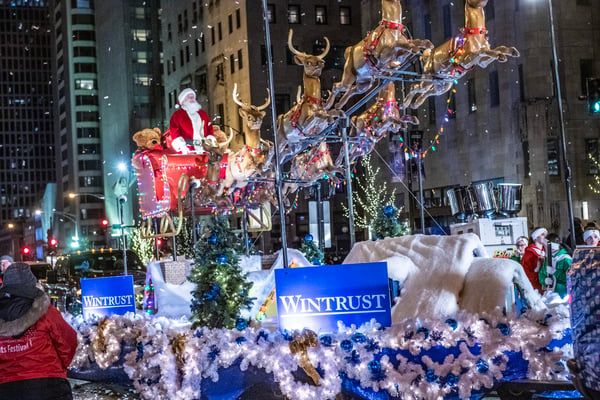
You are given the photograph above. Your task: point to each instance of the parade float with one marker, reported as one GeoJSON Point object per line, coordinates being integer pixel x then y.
{"type": "Point", "coordinates": [450, 331]}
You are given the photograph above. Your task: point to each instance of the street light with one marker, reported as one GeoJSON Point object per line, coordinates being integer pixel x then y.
{"type": "Point", "coordinates": [73, 195]}
{"type": "Point", "coordinates": [70, 217]}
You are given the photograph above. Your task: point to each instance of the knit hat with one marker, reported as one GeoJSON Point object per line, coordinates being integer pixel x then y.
{"type": "Point", "coordinates": [184, 93]}
{"type": "Point", "coordinates": [589, 233]}
{"type": "Point", "coordinates": [7, 258]}
{"type": "Point", "coordinates": [19, 281]}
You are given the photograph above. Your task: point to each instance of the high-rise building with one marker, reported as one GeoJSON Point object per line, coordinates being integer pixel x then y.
{"type": "Point", "coordinates": [27, 141]}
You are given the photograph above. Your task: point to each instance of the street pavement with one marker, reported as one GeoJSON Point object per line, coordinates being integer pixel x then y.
{"type": "Point", "coordinates": [84, 390]}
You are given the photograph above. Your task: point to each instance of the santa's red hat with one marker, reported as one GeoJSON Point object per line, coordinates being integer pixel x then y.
{"type": "Point", "coordinates": [184, 93]}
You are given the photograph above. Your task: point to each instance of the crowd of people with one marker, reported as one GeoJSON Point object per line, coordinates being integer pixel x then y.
{"type": "Point", "coordinates": [546, 258]}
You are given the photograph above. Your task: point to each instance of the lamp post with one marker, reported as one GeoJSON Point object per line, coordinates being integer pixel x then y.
{"type": "Point", "coordinates": [73, 196]}
{"type": "Point", "coordinates": [561, 119]}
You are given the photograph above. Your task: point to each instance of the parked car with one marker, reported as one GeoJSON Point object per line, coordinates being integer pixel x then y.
{"type": "Point", "coordinates": [39, 269]}
{"type": "Point", "coordinates": [63, 284]}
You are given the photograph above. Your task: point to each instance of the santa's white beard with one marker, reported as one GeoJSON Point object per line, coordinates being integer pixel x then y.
{"type": "Point", "coordinates": [191, 106]}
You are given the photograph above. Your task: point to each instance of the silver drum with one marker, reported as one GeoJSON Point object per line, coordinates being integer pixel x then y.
{"type": "Point", "coordinates": [460, 203]}
{"type": "Point", "coordinates": [509, 198]}
{"type": "Point", "coordinates": [483, 198]}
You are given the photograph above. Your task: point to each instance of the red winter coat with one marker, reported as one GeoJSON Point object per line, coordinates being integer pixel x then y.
{"type": "Point", "coordinates": [181, 126]}
{"type": "Point", "coordinates": [39, 344]}
{"type": "Point", "coordinates": [531, 258]}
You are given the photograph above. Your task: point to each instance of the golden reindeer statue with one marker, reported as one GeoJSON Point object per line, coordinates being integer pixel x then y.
{"type": "Point", "coordinates": [308, 116]}
{"type": "Point", "coordinates": [385, 47]}
{"type": "Point", "coordinates": [453, 59]}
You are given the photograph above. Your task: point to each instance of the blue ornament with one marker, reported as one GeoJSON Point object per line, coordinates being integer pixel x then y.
{"type": "Point", "coordinates": [346, 345]}
{"type": "Point", "coordinates": [375, 367]}
{"type": "Point", "coordinates": [430, 376]}
{"type": "Point", "coordinates": [359, 338]}
{"type": "Point", "coordinates": [308, 238]}
{"type": "Point", "coordinates": [388, 210]}
{"type": "Point", "coordinates": [198, 333]}
{"type": "Point", "coordinates": [212, 239]}
{"type": "Point", "coordinates": [214, 352]}
{"type": "Point", "coordinates": [353, 358]}
{"type": "Point", "coordinates": [482, 366]}
{"type": "Point", "coordinates": [452, 323]}
{"type": "Point", "coordinates": [316, 261]}
{"type": "Point", "coordinates": [262, 335]}
{"type": "Point", "coordinates": [424, 331]}
{"type": "Point", "coordinates": [504, 328]}
{"type": "Point", "coordinates": [241, 324]}
{"type": "Point", "coordinates": [326, 340]}
{"type": "Point", "coordinates": [240, 340]}
{"type": "Point", "coordinates": [222, 259]}
{"type": "Point", "coordinates": [451, 380]}
{"type": "Point", "coordinates": [497, 360]}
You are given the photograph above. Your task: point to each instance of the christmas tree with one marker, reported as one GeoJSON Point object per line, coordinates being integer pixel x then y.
{"type": "Point", "coordinates": [387, 225]}
{"type": "Point", "coordinates": [310, 250]}
{"type": "Point", "coordinates": [222, 288]}
{"type": "Point", "coordinates": [143, 247]}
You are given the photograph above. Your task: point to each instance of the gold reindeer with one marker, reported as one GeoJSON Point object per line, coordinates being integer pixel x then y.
{"type": "Point", "coordinates": [385, 47]}
{"type": "Point", "coordinates": [453, 59]}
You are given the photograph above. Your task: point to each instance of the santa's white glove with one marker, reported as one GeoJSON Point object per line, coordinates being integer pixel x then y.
{"type": "Point", "coordinates": [179, 145]}
{"type": "Point", "coordinates": [550, 270]}
{"type": "Point", "coordinates": [211, 141]}
{"type": "Point", "coordinates": [549, 281]}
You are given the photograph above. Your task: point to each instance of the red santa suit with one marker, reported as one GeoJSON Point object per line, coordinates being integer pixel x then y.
{"type": "Point", "coordinates": [185, 125]}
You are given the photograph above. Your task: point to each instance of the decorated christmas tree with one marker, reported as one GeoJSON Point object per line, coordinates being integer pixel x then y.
{"type": "Point", "coordinates": [311, 251]}
{"type": "Point", "coordinates": [387, 225]}
{"type": "Point", "coordinates": [222, 288]}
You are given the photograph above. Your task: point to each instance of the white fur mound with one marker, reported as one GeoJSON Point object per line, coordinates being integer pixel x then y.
{"type": "Point", "coordinates": [441, 275]}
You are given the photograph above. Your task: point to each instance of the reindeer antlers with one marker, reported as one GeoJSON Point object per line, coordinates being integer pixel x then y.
{"type": "Point", "coordinates": [236, 99]}
{"type": "Point", "coordinates": [299, 53]}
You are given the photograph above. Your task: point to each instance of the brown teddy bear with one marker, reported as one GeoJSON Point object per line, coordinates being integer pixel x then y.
{"type": "Point", "coordinates": [148, 139]}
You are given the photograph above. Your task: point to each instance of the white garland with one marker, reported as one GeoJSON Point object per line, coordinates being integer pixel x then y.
{"type": "Point", "coordinates": [156, 345]}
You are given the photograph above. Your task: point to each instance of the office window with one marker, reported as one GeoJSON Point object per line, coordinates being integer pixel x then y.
{"type": "Point", "coordinates": [320, 15]}
{"type": "Point", "coordinates": [179, 23]}
{"type": "Point", "coordinates": [194, 13]}
{"type": "Point", "coordinates": [553, 163]}
{"type": "Point", "coordinates": [141, 35]}
{"type": "Point", "coordinates": [586, 70]}
{"type": "Point", "coordinates": [202, 83]}
{"type": "Point", "coordinates": [345, 17]}
{"type": "Point", "coordinates": [230, 21]}
{"type": "Point", "coordinates": [294, 14]}
{"type": "Point", "coordinates": [231, 64]}
{"type": "Point", "coordinates": [472, 98]}
{"type": "Point", "coordinates": [212, 35]}
{"type": "Point", "coordinates": [220, 31]}
{"type": "Point", "coordinates": [169, 32]}
{"type": "Point", "coordinates": [187, 53]}
{"type": "Point", "coordinates": [238, 19]}
{"type": "Point", "coordinates": [181, 57]}
{"type": "Point", "coordinates": [185, 20]}
{"type": "Point", "coordinates": [494, 89]}
{"type": "Point", "coordinates": [591, 148]}
{"type": "Point", "coordinates": [263, 54]}
{"type": "Point", "coordinates": [271, 13]}
{"type": "Point", "coordinates": [239, 59]}
{"type": "Point", "coordinates": [173, 65]}
{"type": "Point", "coordinates": [447, 16]}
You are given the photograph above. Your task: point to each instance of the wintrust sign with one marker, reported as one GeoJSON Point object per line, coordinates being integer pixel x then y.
{"type": "Point", "coordinates": [103, 297]}
{"type": "Point", "coordinates": [318, 297]}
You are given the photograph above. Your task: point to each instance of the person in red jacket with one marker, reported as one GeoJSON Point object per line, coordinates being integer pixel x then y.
{"type": "Point", "coordinates": [534, 257]}
{"type": "Point", "coordinates": [36, 343]}
{"type": "Point", "coordinates": [190, 122]}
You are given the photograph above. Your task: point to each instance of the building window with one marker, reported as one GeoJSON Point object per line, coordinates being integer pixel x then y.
{"type": "Point", "coordinates": [141, 35]}
{"type": "Point", "coordinates": [472, 98]}
{"type": "Point", "coordinates": [591, 149]}
{"type": "Point", "coordinates": [173, 65]}
{"type": "Point", "coordinates": [239, 59]}
{"type": "Point", "coordinates": [230, 20]}
{"type": "Point", "coordinates": [494, 89]}
{"type": "Point", "coordinates": [553, 163]}
{"type": "Point", "coordinates": [187, 53]}
{"type": "Point", "coordinates": [169, 32]}
{"type": "Point", "coordinates": [293, 14]}
{"type": "Point", "coordinates": [345, 17]}
{"type": "Point", "coordinates": [447, 15]}
{"type": "Point", "coordinates": [320, 15]}
{"type": "Point", "coordinates": [271, 13]}
{"type": "Point", "coordinates": [238, 19]}
{"type": "Point", "coordinates": [231, 64]}
{"type": "Point", "coordinates": [202, 84]}
{"type": "Point", "coordinates": [181, 57]}
{"type": "Point", "coordinates": [526, 161]}
{"type": "Point", "coordinates": [521, 83]}
{"type": "Point", "coordinates": [220, 31]}
{"type": "Point", "coordinates": [194, 13]}
{"type": "Point", "coordinates": [586, 70]}
{"type": "Point", "coordinates": [185, 20]}
{"type": "Point", "coordinates": [263, 54]}
{"type": "Point", "coordinates": [179, 24]}
{"type": "Point", "coordinates": [220, 73]}
{"type": "Point", "coordinates": [427, 26]}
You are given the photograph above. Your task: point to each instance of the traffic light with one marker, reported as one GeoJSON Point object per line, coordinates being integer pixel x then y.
{"type": "Point", "coordinates": [26, 252]}
{"type": "Point", "coordinates": [104, 222]}
{"type": "Point", "coordinates": [53, 242]}
{"type": "Point", "coordinates": [593, 95]}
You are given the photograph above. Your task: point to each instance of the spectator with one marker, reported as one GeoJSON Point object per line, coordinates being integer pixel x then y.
{"type": "Point", "coordinates": [553, 275]}
{"type": "Point", "coordinates": [591, 236]}
{"type": "Point", "coordinates": [5, 262]}
{"type": "Point", "coordinates": [37, 344]}
{"type": "Point", "coordinates": [578, 235]}
{"type": "Point", "coordinates": [534, 257]}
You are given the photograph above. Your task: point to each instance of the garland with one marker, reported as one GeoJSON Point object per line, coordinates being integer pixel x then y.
{"type": "Point", "coordinates": [432, 358]}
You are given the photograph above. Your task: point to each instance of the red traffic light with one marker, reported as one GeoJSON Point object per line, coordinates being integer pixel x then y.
{"type": "Point", "coordinates": [26, 250]}
{"type": "Point", "coordinates": [53, 242]}
{"type": "Point", "coordinates": [105, 222]}
{"type": "Point", "coordinates": [158, 241]}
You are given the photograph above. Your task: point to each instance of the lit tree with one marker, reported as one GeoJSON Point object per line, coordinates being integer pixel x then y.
{"type": "Point", "coordinates": [144, 248]}
{"type": "Point", "coordinates": [370, 196]}
{"type": "Point", "coordinates": [221, 287]}
{"type": "Point", "coordinates": [311, 251]}
{"type": "Point", "coordinates": [595, 187]}
{"type": "Point", "coordinates": [387, 225]}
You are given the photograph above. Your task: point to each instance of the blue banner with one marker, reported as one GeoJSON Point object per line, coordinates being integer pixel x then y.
{"type": "Point", "coordinates": [318, 297]}
{"type": "Point", "coordinates": [102, 297]}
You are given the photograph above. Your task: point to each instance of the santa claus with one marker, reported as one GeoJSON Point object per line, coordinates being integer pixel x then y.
{"type": "Point", "coordinates": [190, 126]}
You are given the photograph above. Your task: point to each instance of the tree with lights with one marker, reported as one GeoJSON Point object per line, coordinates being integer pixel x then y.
{"type": "Point", "coordinates": [370, 196]}
{"type": "Point", "coordinates": [595, 187]}
{"type": "Point", "coordinates": [144, 248]}
{"type": "Point", "coordinates": [221, 287]}
{"type": "Point", "coordinates": [387, 224]}
{"type": "Point", "coordinates": [311, 251]}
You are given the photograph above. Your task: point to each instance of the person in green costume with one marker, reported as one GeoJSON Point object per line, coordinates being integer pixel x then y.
{"type": "Point", "coordinates": [554, 277]}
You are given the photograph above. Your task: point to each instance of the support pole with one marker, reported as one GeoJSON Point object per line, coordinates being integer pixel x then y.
{"type": "Point", "coordinates": [275, 141]}
{"type": "Point", "coordinates": [343, 123]}
{"type": "Point", "coordinates": [122, 199]}
{"type": "Point", "coordinates": [320, 218]}
{"type": "Point", "coordinates": [420, 167]}
{"type": "Point", "coordinates": [193, 216]}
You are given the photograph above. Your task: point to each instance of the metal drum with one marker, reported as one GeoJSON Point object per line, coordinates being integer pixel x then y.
{"type": "Point", "coordinates": [460, 203]}
{"type": "Point", "coordinates": [509, 198]}
{"type": "Point", "coordinates": [483, 198]}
